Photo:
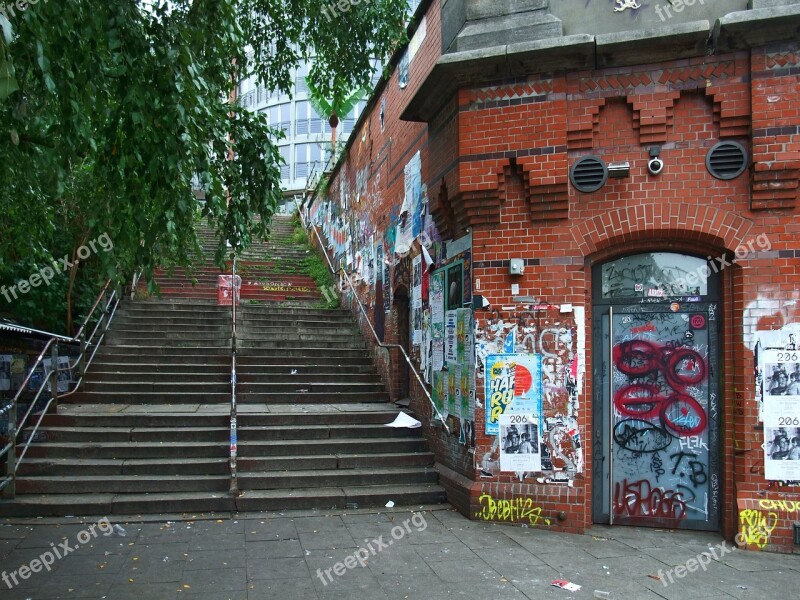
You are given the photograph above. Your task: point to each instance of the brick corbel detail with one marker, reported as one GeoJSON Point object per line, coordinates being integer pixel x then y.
{"type": "Point", "coordinates": [652, 115]}
{"type": "Point", "coordinates": [475, 208]}
{"type": "Point", "coordinates": [583, 124]}
{"type": "Point", "coordinates": [545, 181]}
{"type": "Point", "coordinates": [775, 185]}
{"type": "Point", "coordinates": [731, 109]}
{"type": "Point", "coordinates": [442, 212]}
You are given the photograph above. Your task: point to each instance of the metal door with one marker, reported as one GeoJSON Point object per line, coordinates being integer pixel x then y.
{"type": "Point", "coordinates": [657, 404]}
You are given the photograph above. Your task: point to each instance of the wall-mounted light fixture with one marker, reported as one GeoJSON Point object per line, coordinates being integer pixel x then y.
{"type": "Point", "coordinates": [619, 170]}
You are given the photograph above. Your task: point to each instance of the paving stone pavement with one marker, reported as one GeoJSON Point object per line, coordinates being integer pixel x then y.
{"type": "Point", "coordinates": [430, 553]}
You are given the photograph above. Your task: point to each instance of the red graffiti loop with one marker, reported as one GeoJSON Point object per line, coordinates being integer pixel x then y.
{"type": "Point", "coordinates": [691, 418]}
{"type": "Point", "coordinates": [637, 358]}
{"type": "Point", "coordinates": [639, 400]}
{"type": "Point", "coordinates": [674, 361]}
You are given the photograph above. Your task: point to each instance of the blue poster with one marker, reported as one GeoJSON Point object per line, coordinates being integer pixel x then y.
{"type": "Point", "coordinates": [513, 384]}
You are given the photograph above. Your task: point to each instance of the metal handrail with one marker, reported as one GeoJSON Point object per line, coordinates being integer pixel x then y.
{"type": "Point", "coordinates": [234, 487]}
{"type": "Point", "coordinates": [7, 485]}
{"type": "Point", "coordinates": [369, 322]}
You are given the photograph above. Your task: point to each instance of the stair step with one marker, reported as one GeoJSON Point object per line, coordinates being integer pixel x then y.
{"type": "Point", "coordinates": [86, 484]}
{"type": "Point", "coordinates": [336, 477]}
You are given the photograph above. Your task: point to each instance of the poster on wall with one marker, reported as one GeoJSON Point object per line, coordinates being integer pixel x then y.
{"type": "Point", "coordinates": [780, 370]}
{"type": "Point", "coordinates": [519, 443]}
{"type": "Point", "coordinates": [416, 299]}
{"type": "Point", "coordinates": [455, 286]}
{"type": "Point", "coordinates": [450, 333]}
{"type": "Point", "coordinates": [451, 391]}
{"type": "Point", "coordinates": [513, 385]}
{"type": "Point", "coordinates": [437, 305]}
{"type": "Point", "coordinates": [439, 392]}
{"type": "Point", "coordinates": [464, 336]}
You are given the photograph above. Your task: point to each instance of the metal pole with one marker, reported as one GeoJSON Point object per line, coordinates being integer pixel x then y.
{"type": "Point", "coordinates": [9, 492]}
{"type": "Point", "coordinates": [54, 374]}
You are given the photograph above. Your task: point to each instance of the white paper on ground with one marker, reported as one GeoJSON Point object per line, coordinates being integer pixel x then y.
{"type": "Point", "coordinates": [404, 420]}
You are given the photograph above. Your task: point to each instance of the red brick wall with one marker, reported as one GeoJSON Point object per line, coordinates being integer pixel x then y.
{"type": "Point", "coordinates": [496, 159]}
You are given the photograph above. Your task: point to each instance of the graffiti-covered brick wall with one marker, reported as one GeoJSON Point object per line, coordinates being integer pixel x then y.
{"type": "Point", "coordinates": [632, 349]}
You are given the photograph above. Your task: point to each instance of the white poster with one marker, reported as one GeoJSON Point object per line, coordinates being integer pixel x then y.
{"type": "Point", "coordinates": [519, 443]}
{"type": "Point", "coordinates": [780, 372]}
{"type": "Point", "coordinates": [450, 337]}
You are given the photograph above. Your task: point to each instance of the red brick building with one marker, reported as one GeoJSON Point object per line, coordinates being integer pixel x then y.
{"type": "Point", "coordinates": [607, 192]}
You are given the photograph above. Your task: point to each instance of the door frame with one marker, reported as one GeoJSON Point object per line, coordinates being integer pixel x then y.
{"type": "Point", "coordinates": [603, 311]}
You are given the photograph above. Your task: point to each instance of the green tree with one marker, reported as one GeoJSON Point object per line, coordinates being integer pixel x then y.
{"type": "Point", "coordinates": [109, 109]}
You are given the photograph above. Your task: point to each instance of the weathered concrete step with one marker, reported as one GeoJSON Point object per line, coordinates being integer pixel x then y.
{"type": "Point", "coordinates": [165, 323]}
{"type": "Point", "coordinates": [172, 344]}
{"type": "Point", "coordinates": [141, 450]}
{"type": "Point", "coordinates": [344, 497]}
{"type": "Point", "coordinates": [158, 418]}
{"type": "Point", "coordinates": [272, 322]}
{"type": "Point", "coordinates": [309, 351]}
{"type": "Point", "coordinates": [124, 435]}
{"type": "Point", "coordinates": [251, 433]}
{"type": "Point", "coordinates": [332, 446]}
{"type": "Point", "coordinates": [129, 385]}
{"type": "Point", "coordinates": [85, 484]}
{"type": "Point", "coordinates": [305, 341]}
{"type": "Point", "coordinates": [168, 330]}
{"type": "Point", "coordinates": [121, 397]}
{"type": "Point", "coordinates": [169, 354]}
{"type": "Point", "coordinates": [250, 361]}
{"type": "Point", "coordinates": [378, 413]}
{"type": "Point", "coordinates": [220, 368]}
{"type": "Point", "coordinates": [337, 477]}
{"type": "Point", "coordinates": [309, 387]}
{"type": "Point", "coordinates": [297, 313]}
{"type": "Point", "coordinates": [305, 369]}
{"type": "Point", "coordinates": [248, 376]}
{"type": "Point", "coordinates": [110, 466]}
{"type": "Point", "coordinates": [201, 376]}
{"type": "Point", "coordinates": [246, 332]}
{"type": "Point", "coordinates": [115, 504]}
{"type": "Point", "coordinates": [339, 461]}
{"type": "Point", "coordinates": [246, 397]}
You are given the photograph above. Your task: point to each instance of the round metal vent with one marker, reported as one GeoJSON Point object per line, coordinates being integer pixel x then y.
{"type": "Point", "coordinates": [726, 160]}
{"type": "Point", "coordinates": [588, 174]}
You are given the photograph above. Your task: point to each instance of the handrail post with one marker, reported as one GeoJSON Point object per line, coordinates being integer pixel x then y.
{"type": "Point", "coordinates": [81, 357]}
{"type": "Point", "coordinates": [104, 314]}
{"type": "Point", "coordinates": [10, 491]}
{"type": "Point", "coordinates": [234, 437]}
{"type": "Point", "coordinates": [54, 374]}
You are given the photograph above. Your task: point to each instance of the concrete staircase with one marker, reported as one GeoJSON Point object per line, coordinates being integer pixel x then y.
{"type": "Point", "coordinates": [149, 431]}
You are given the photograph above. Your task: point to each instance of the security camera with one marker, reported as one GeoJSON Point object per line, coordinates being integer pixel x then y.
{"type": "Point", "coordinates": [655, 166]}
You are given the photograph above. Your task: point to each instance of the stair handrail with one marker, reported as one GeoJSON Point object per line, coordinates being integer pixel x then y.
{"type": "Point", "coordinates": [379, 343]}
{"type": "Point", "coordinates": [234, 485]}
{"type": "Point", "coordinates": [15, 425]}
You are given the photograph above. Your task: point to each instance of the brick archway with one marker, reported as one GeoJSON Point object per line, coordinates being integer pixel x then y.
{"type": "Point", "coordinates": [681, 223]}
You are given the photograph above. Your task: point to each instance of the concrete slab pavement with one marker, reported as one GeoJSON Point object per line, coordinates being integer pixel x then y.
{"type": "Point", "coordinates": [431, 553]}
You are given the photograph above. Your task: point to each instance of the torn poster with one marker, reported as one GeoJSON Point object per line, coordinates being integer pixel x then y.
{"type": "Point", "coordinates": [519, 443]}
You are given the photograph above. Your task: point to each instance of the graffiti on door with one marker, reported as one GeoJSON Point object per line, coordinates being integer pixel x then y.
{"type": "Point", "coordinates": [663, 399]}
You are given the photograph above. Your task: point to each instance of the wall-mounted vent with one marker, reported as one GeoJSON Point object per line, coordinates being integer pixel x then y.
{"type": "Point", "coordinates": [726, 160]}
{"type": "Point", "coordinates": [588, 174]}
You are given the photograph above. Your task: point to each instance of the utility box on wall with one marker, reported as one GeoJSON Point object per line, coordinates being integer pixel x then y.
{"type": "Point", "coordinates": [516, 266]}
